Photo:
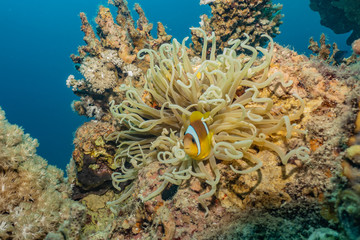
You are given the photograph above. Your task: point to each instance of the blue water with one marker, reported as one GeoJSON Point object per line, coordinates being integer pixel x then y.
{"type": "Point", "coordinates": [37, 38]}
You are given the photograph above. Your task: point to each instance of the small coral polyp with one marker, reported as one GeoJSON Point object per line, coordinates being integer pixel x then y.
{"type": "Point", "coordinates": [227, 87]}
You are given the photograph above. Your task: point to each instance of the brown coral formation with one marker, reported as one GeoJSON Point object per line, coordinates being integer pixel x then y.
{"type": "Point", "coordinates": [356, 46]}
{"type": "Point", "coordinates": [330, 53]}
{"type": "Point", "coordinates": [34, 198]}
{"type": "Point", "coordinates": [111, 61]}
{"type": "Point", "coordinates": [323, 50]}
{"type": "Point", "coordinates": [231, 19]}
{"type": "Point", "coordinates": [330, 94]}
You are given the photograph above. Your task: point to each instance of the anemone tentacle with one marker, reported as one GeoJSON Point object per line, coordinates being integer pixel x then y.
{"type": "Point", "coordinates": [180, 85]}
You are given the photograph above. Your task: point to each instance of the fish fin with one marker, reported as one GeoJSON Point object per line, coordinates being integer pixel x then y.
{"type": "Point", "coordinates": [196, 115]}
{"type": "Point", "coordinates": [209, 136]}
{"type": "Point", "coordinates": [206, 115]}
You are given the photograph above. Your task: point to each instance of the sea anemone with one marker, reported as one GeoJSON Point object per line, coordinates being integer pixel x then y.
{"type": "Point", "coordinates": [229, 87]}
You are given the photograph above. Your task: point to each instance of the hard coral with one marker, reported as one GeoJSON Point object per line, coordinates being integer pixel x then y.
{"type": "Point", "coordinates": [111, 61]}
{"type": "Point", "coordinates": [328, 108]}
{"type": "Point", "coordinates": [356, 46]}
{"type": "Point", "coordinates": [231, 19]}
{"type": "Point", "coordinates": [323, 50]}
{"type": "Point", "coordinates": [242, 116]}
{"type": "Point", "coordinates": [330, 53]}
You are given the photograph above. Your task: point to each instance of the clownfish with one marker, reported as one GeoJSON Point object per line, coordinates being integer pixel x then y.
{"type": "Point", "coordinates": [197, 138]}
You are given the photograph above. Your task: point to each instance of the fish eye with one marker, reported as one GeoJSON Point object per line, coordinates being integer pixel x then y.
{"type": "Point", "coordinates": [192, 140]}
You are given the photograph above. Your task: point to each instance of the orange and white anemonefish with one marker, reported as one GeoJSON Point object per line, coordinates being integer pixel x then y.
{"type": "Point", "coordinates": [197, 139]}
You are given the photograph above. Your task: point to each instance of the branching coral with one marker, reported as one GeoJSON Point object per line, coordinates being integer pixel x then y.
{"type": "Point", "coordinates": [229, 87]}
{"type": "Point", "coordinates": [330, 53]}
{"type": "Point", "coordinates": [231, 19]}
{"type": "Point", "coordinates": [109, 57]}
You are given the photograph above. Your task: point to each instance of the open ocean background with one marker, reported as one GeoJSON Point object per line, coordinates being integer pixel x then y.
{"type": "Point", "coordinates": [37, 38]}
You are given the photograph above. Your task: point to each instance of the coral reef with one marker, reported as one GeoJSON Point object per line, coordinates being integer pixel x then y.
{"type": "Point", "coordinates": [34, 197]}
{"type": "Point", "coordinates": [243, 116]}
{"type": "Point", "coordinates": [343, 207]}
{"type": "Point", "coordinates": [341, 16]}
{"type": "Point", "coordinates": [268, 197]}
{"type": "Point", "coordinates": [231, 19]}
{"type": "Point", "coordinates": [127, 139]}
{"type": "Point", "coordinates": [108, 63]}
{"type": "Point", "coordinates": [111, 61]}
{"type": "Point", "coordinates": [330, 53]}
{"type": "Point", "coordinates": [328, 140]}
{"type": "Point", "coordinates": [295, 222]}
{"type": "Point", "coordinates": [323, 50]}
